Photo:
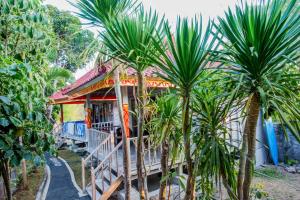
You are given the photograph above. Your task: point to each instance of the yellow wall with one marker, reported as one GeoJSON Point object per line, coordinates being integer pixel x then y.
{"type": "Point", "coordinates": [73, 112]}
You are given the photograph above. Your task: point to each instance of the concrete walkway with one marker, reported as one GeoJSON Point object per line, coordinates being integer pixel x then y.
{"type": "Point", "coordinates": [61, 186]}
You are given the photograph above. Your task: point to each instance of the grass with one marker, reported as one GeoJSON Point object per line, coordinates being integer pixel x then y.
{"type": "Point", "coordinates": [74, 162]}
{"type": "Point", "coordinates": [271, 172]}
{"type": "Point", "coordinates": [35, 178]}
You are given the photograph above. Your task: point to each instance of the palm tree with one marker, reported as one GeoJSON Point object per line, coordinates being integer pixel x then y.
{"type": "Point", "coordinates": [183, 59]}
{"type": "Point", "coordinates": [56, 78]}
{"type": "Point", "coordinates": [128, 38]}
{"type": "Point", "coordinates": [164, 125]}
{"type": "Point", "coordinates": [258, 43]}
{"type": "Point", "coordinates": [213, 109]}
{"type": "Point", "coordinates": [101, 13]}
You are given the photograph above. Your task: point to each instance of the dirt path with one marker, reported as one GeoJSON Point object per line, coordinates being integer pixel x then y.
{"type": "Point", "coordinates": [286, 187]}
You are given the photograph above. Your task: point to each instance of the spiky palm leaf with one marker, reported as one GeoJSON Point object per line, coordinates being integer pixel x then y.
{"type": "Point", "coordinates": [101, 12]}
{"type": "Point", "coordinates": [184, 55]}
{"type": "Point", "coordinates": [212, 108]}
{"type": "Point", "coordinates": [130, 38]}
{"type": "Point", "coordinates": [182, 58]}
{"type": "Point", "coordinates": [259, 43]}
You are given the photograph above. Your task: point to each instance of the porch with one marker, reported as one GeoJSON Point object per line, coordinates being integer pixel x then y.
{"type": "Point", "coordinates": [106, 164]}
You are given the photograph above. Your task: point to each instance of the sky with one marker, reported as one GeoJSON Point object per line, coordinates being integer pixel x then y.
{"type": "Point", "coordinates": [170, 8]}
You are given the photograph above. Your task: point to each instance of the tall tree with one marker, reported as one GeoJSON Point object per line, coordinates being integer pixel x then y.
{"type": "Point", "coordinates": [129, 39]}
{"type": "Point", "coordinates": [69, 40]}
{"type": "Point", "coordinates": [260, 40]}
{"type": "Point", "coordinates": [22, 114]}
{"type": "Point", "coordinates": [24, 31]}
{"type": "Point", "coordinates": [187, 53]}
{"type": "Point", "coordinates": [101, 13]}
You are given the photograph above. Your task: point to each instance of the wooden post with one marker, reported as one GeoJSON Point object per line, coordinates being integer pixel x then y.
{"type": "Point", "coordinates": [126, 141]}
{"type": "Point", "coordinates": [24, 174]}
{"type": "Point", "coordinates": [93, 184]}
{"type": "Point", "coordinates": [83, 174]}
{"type": "Point", "coordinates": [61, 113]}
{"type": "Point", "coordinates": [88, 112]}
{"type": "Point", "coordinates": [125, 110]}
{"type": "Point", "coordinates": [24, 168]}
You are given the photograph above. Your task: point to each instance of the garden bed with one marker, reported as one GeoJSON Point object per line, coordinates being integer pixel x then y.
{"type": "Point", "coordinates": [35, 178]}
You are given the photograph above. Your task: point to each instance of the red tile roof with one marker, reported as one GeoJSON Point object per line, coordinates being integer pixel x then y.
{"type": "Point", "coordinates": [92, 74]}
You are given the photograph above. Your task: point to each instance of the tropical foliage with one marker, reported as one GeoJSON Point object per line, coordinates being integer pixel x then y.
{"type": "Point", "coordinates": [182, 61]}
{"type": "Point", "coordinates": [260, 43]}
{"type": "Point", "coordinates": [24, 126]}
{"type": "Point", "coordinates": [164, 128]}
{"type": "Point", "coordinates": [26, 43]}
{"type": "Point", "coordinates": [69, 40]}
{"type": "Point", "coordinates": [258, 46]}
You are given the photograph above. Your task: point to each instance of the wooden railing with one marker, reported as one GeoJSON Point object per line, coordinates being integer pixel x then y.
{"type": "Point", "coordinates": [151, 152]}
{"type": "Point", "coordinates": [95, 138]}
{"type": "Point", "coordinates": [103, 126]}
{"type": "Point", "coordinates": [109, 164]}
{"type": "Point", "coordinates": [75, 131]}
{"type": "Point", "coordinates": [96, 155]}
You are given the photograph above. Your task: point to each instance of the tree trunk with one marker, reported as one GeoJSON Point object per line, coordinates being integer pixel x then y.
{"type": "Point", "coordinates": [250, 130]}
{"type": "Point", "coordinates": [140, 144]}
{"type": "Point", "coordinates": [126, 160]}
{"type": "Point", "coordinates": [242, 164]}
{"type": "Point", "coordinates": [190, 185]}
{"type": "Point", "coordinates": [24, 175]}
{"type": "Point", "coordinates": [164, 168]}
{"type": "Point", "coordinates": [5, 174]}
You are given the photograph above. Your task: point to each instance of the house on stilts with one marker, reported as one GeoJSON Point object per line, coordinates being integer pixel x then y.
{"type": "Point", "coordinates": [101, 133]}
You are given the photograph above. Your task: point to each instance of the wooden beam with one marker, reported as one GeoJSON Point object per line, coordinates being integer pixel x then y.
{"type": "Point", "coordinates": [112, 188]}
{"type": "Point", "coordinates": [61, 113]}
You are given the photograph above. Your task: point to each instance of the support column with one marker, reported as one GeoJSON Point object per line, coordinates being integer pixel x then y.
{"type": "Point", "coordinates": [88, 112]}
{"type": "Point", "coordinates": [125, 110]}
{"type": "Point", "coordinates": [61, 113]}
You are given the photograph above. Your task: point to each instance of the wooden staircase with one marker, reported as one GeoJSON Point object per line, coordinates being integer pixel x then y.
{"type": "Point", "coordinates": [106, 177]}
{"type": "Point", "coordinates": [104, 186]}
{"type": "Point", "coordinates": [107, 172]}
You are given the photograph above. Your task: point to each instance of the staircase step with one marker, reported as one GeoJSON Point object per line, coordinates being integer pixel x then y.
{"type": "Point", "coordinates": [106, 175]}
{"type": "Point", "coordinates": [107, 193]}
{"type": "Point", "coordinates": [101, 186]}
{"type": "Point", "coordinates": [134, 194]}
{"type": "Point", "coordinates": [89, 191]}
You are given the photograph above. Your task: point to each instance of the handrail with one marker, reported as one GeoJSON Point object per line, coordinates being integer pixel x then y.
{"type": "Point", "coordinates": [103, 147]}
{"type": "Point", "coordinates": [95, 138]}
{"type": "Point", "coordinates": [105, 164]}
{"type": "Point", "coordinates": [103, 125]}
{"type": "Point", "coordinates": [108, 156]}
{"type": "Point", "coordinates": [109, 137]}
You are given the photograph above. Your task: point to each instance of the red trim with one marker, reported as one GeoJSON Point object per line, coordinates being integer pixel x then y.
{"type": "Point", "coordinates": [112, 98]}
